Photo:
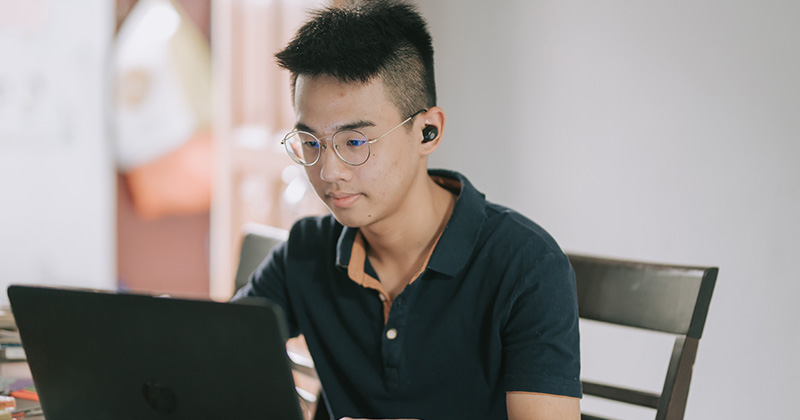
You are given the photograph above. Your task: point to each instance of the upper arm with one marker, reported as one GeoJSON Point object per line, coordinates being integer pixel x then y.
{"type": "Point", "coordinates": [533, 406]}
{"type": "Point", "coordinates": [540, 336]}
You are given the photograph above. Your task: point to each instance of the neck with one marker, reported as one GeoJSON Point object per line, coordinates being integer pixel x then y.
{"type": "Point", "coordinates": [404, 242]}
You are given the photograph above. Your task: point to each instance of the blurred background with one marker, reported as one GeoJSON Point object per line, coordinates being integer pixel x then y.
{"type": "Point", "coordinates": [138, 137]}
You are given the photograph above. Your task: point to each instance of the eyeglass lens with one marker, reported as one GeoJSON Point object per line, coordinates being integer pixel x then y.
{"type": "Point", "coordinates": [351, 146]}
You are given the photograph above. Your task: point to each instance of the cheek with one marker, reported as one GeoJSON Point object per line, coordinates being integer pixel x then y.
{"type": "Point", "coordinates": [385, 172]}
{"type": "Point", "coordinates": [387, 182]}
{"type": "Point", "coordinates": [389, 162]}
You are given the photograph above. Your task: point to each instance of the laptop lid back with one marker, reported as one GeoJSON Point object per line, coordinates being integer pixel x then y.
{"type": "Point", "coordinates": [97, 355]}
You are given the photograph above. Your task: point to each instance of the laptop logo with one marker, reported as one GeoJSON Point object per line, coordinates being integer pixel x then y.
{"type": "Point", "coordinates": [159, 397]}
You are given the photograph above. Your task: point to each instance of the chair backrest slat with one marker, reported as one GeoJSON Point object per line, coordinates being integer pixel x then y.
{"type": "Point", "coordinates": [627, 395]}
{"type": "Point", "coordinates": [672, 299]}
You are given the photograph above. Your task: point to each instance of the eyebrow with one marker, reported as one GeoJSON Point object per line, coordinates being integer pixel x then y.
{"type": "Point", "coordinates": [349, 126]}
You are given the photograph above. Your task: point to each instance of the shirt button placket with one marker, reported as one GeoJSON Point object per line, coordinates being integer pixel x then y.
{"type": "Point", "coordinates": [392, 344]}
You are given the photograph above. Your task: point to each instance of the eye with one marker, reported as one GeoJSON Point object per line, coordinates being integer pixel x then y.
{"type": "Point", "coordinates": [311, 144]}
{"type": "Point", "coordinates": [354, 142]}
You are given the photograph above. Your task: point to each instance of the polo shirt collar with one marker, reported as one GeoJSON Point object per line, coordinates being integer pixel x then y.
{"type": "Point", "coordinates": [344, 246]}
{"type": "Point", "coordinates": [460, 236]}
{"type": "Point", "coordinates": [458, 239]}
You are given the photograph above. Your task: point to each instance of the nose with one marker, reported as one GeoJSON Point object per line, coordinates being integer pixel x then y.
{"type": "Point", "coordinates": [332, 168]}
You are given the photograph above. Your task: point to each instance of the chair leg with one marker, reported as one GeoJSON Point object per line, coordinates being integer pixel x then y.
{"type": "Point", "coordinates": [679, 375]}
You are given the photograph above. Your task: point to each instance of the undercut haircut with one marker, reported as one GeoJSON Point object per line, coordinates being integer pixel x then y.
{"type": "Point", "coordinates": [364, 40]}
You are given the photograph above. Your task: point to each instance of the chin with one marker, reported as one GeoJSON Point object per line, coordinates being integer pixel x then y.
{"type": "Point", "coordinates": [351, 220]}
{"type": "Point", "coordinates": [346, 219]}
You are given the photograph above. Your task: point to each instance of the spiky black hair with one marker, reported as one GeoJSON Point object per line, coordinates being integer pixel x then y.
{"type": "Point", "coordinates": [364, 40]}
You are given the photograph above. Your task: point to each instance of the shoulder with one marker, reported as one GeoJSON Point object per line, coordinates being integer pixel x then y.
{"type": "Point", "coordinates": [515, 234]}
{"type": "Point", "coordinates": [314, 231]}
{"type": "Point", "coordinates": [496, 224]}
{"type": "Point", "coordinates": [485, 236]}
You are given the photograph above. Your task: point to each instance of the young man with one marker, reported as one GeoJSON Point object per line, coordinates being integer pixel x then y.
{"type": "Point", "coordinates": [417, 298]}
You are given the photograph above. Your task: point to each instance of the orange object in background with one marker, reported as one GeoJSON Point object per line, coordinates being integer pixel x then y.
{"type": "Point", "coordinates": [25, 394]}
{"type": "Point", "coordinates": [178, 183]}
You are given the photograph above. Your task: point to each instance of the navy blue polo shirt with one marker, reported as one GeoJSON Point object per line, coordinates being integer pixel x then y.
{"type": "Point", "coordinates": [493, 311]}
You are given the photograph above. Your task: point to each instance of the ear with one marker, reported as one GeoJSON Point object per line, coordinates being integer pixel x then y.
{"type": "Point", "coordinates": [435, 119]}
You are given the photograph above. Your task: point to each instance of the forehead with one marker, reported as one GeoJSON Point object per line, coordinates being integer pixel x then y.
{"type": "Point", "coordinates": [322, 102]}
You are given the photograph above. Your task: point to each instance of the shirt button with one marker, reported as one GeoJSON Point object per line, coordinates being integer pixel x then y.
{"type": "Point", "coordinates": [382, 297]}
{"type": "Point", "coordinates": [391, 334]}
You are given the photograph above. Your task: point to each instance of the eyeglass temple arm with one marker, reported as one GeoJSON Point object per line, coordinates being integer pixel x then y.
{"type": "Point", "coordinates": [398, 125]}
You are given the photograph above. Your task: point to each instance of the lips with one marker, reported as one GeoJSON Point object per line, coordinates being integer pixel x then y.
{"type": "Point", "coordinates": [343, 200]}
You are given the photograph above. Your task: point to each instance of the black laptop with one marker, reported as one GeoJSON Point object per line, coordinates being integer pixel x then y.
{"type": "Point", "coordinates": [102, 355]}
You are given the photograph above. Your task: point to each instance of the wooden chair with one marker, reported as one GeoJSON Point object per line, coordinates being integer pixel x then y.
{"type": "Point", "coordinates": [667, 298]}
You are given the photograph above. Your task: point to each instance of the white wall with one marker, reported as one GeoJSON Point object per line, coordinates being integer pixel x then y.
{"type": "Point", "coordinates": [661, 130]}
{"type": "Point", "coordinates": [57, 180]}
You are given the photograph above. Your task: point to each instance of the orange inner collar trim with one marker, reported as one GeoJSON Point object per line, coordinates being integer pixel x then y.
{"type": "Point", "coordinates": [355, 270]}
{"type": "Point", "coordinates": [358, 257]}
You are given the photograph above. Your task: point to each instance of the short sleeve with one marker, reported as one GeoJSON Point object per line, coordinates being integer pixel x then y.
{"type": "Point", "coordinates": [541, 344]}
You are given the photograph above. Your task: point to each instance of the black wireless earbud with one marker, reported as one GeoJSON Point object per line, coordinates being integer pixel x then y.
{"type": "Point", "coordinates": [429, 133]}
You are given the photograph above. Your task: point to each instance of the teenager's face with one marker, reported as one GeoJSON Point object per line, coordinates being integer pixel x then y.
{"type": "Point", "coordinates": [359, 196]}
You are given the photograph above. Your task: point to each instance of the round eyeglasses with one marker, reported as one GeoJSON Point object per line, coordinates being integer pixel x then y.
{"type": "Point", "coordinates": [351, 146]}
